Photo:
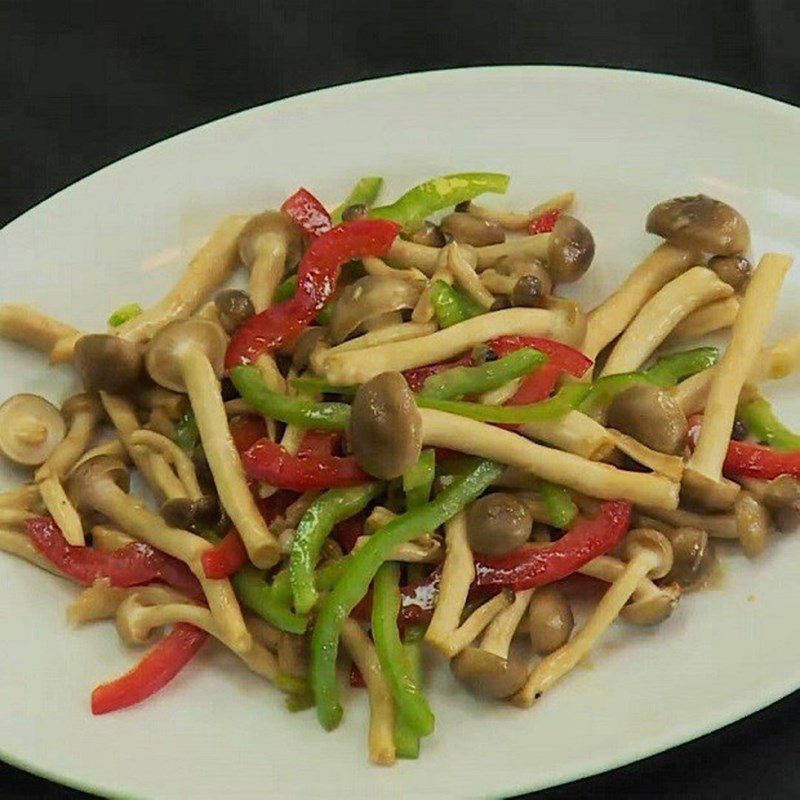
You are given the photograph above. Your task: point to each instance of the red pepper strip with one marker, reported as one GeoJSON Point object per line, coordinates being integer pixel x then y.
{"type": "Point", "coordinates": [319, 443]}
{"type": "Point", "coordinates": [225, 558]}
{"type": "Point", "coordinates": [157, 668]}
{"type": "Point", "coordinates": [415, 378]}
{"type": "Point", "coordinates": [269, 462]}
{"type": "Point", "coordinates": [417, 602]}
{"type": "Point", "coordinates": [535, 387]}
{"type": "Point", "coordinates": [317, 275]}
{"type": "Point", "coordinates": [749, 460]}
{"type": "Point", "coordinates": [348, 530]}
{"type": "Point", "coordinates": [585, 540]}
{"type": "Point", "coordinates": [566, 358]}
{"type": "Point", "coordinates": [132, 565]}
{"type": "Point", "coordinates": [544, 222]}
{"type": "Point", "coordinates": [246, 430]}
{"type": "Point", "coordinates": [307, 212]}
{"type": "Point", "coordinates": [274, 505]}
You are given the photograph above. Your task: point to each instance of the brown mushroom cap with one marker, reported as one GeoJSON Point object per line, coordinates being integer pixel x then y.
{"type": "Point", "coordinates": [466, 229]}
{"type": "Point", "coordinates": [234, 307]}
{"type": "Point", "coordinates": [183, 513]}
{"type": "Point", "coordinates": [252, 237]}
{"type": "Point", "coordinates": [30, 429]}
{"type": "Point", "coordinates": [654, 542]}
{"type": "Point", "coordinates": [488, 674]}
{"type": "Point", "coordinates": [161, 358]}
{"type": "Point", "coordinates": [90, 474]}
{"type": "Point", "coordinates": [652, 416]}
{"type": "Point", "coordinates": [734, 270]}
{"type": "Point", "coordinates": [385, 429]}
{"type": "Point", "coordinates": [693, 555]}
{"type": "Point", "coordinates": [369, 297]}
{"type": "Point", "coordinates": [570, 249]}
{"type": "Point", "coordinates": [108, 363]}
{"type": "Point", "coordinates": [550, 619]}
{"type": "Point", "coordinates": [654, 609]}
{"type": "Point", "coordinates": [781, 496]}
{"type": "Point", "coordinates": [753, 523]}
{"type": "Point", "coordinates": [81, 403]}
{"type": "Point", "coordinates": [699, 222]}
{"type": "Point", "coordinates": [305, 345]}
{"type": "Point", "coordinates": [498, 523]}
{"type": "Point", "coordinates": [428, 234]}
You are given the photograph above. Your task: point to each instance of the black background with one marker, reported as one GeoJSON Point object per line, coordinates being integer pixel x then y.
{"type": "Point", "coordinates": [85, 83]}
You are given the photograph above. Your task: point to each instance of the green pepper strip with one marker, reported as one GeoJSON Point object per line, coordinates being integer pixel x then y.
{"type": "Point", "coordinates": [455, 383]}
{"type": "Point", "coordinates": [186, 435]}
{"type": "Point", "coordinates": [566, 399]}
{"type": "Point", "coordinates": [411, 704]}
{"type": "Point", "coordinates": [124, 313]}
{"type": "Point", "coordinates": [406, 741]}
{"type": "Point", "coordinates": [329, 508]}
{"type": "Point", "coordinates": [361, 568]}
{"type": "Point", "coordinates": [365, 192]}
{"type": "Point", "coordinates": [308, 384]}
{"type": "Point", "coordinates": [438, 193]}
{"type": "Point", "coordinates": [292, 410]}
{"type": "Point", "coordinates": [766, 427]}
{"type": "Point", "coordinates": [418, 480]}
{"type": "Point", "coordinates": [558, 503]}
{"type": "Point", "coordinates": [257, 595]}
{"type": "Point", "coordinates": [677, 367]}
{"type": "Point", "coordinates": [451, 305]}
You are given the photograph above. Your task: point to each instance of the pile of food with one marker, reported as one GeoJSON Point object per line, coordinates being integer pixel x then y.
{"type": "Point", "coordinates": [405, 436]}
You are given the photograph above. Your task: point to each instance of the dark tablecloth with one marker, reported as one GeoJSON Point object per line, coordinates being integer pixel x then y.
{"type": "Point", "coordinates": [85, 83]}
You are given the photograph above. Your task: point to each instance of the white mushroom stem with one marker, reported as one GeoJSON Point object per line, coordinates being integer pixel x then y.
{"type": "Point", "coordinates": [423, 311]}
{"type": "Point", "coordinates": [411, 255]}
{"type": "Point", "coordinates": [101, 600]}
{"type": "Point", "coordinates": [461, 262]}
{"type": "Point", "coordinates": [107, 538]}
{"type": "Point", "coordinates": [428, 552]}
{"type": "Point", "coordinates": [720, 526]}
{"type": "Point", "coordinates": [593, 478]}
{"type": "Point", "coordinates": [659, 316]}
{"type": "Point", "coordinates": [26, 325]}
{"type": "Point", "coordinates": [358, 366]}
{"type": "Point", "coordinates": [15, 516]}
{"type": "Point", "coordinates": [500, 633]}
{"type": "Point", "coordinates": [112, 447]}
{"type": "Point", "coordinates": [159, 421]}
{"type": "Point", "coordinates": [377, 266]}
{"type": "Point", "coordinates": [574, 432]}
{"type": "Point", "coordinates": [711, 317]}
{"type": "Point", "coordinates": [26, 497]}
{"type": "Point", "coordinates": [174, 455]}
{"type": "Point", "coordinates": [525, 247]}
{"type": "Point", "coordinates": [381, 703]}
{"type": "Point", "coordinates": [61, 510]}
{"type": "Point", "coordinates": [514, 221]}
{"type": "Point", "coordinates": [612, 316]}
{"type": "Point", "coordinates": [472, 627]}
{"type": "Point", "coordinates": [733, 369]}
{"type": "Point", "coordinates": [669, 466]}
{"type": "Point", "coordinates": [64, 349]}
{"type": "Point", "coordinates": [497, 283]}
{"type": "Point", "coordinates": [498, 396]}
{"type": "Point", "coordinates": [19, 545]}
{"type": "Point", "coordinates": [209, 268]}
{"type": "Point", "coordinates": [608, 569]}
{"type": "Point", "coordinates": [556, 665]}
{"type": "Point", "coordinates": [267, 269]}
{"type": "Point", "coordinates": [223, 459]}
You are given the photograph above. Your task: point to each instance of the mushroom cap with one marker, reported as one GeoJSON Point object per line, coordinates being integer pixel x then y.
{"type": "Point", "coordinates": [488, 674]}
{"type": "Point", "coordinates": [234, 306]}
{"type": "Point", "coordinates": [428, 234]}
{"type": "Point", "coordinates": [650, 415]}
{"type": "Point", "coordinates": [653, 609]}
{"type": "Point", "coordinates": [550, 619]}
{"type": "Point", "coordinates": [30, 429]}
{"type": "Point", "coordinates": [498, 523]}
{"type": "Point", "coordinates": [385, 429]}
{"type": "Point", "coordinates": [652, 541]}
{"type": "Point", "coordinates": [162, 356]}
{"type": "Point", "coordinates": [183, 513]}
{"type": "Point", "coordinates": [753, 523]}
{"type": "Point", "coordinates": [570, 249]}
{"type": "Point", "coordinates": [90, 475]}
{"type": "Point", "coordinates": [734, 270]}
{"type": "Point", "coordinates": [108, 363]}
{"type": "Point", "coordinates": [83, 403]}
{"type": "Point", "coordinates": [466, 229]}
{"type": "Point", "coordinates": [692, 555]}
{"type": "Point", "coordinates": [699, 222]}
{"type": "Point", "coordinates": [253, 235]}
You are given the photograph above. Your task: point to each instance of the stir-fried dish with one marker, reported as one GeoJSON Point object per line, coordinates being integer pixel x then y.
{"type": "Point", "coordinates": [403, 436]}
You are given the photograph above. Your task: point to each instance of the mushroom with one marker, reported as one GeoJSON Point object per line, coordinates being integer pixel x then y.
{"type": "Point", "coordinates": [30, 326]}
{"type": "Point", "coordinates": [498, 524]}
{"type": "Point", "coordinates": [550, 619]}
{"type": "Point", "coordinates": [752, 522]}
{"type": "Point", "coordinates": [693, 555]}
{"type": "Point", "coordinates": [530, 292]}
{"type": "Point", "coordinates": [429, 235]}
{"type": "Point", "coordinates": [649, 554]}
{"type": "Point", "coordinates": [305, 345]}
{"type": "Point", "coordinates": [488, 674]}
{"type": "Point", "coordinates": [651, 416]}
{"type": "Point", "coordinates": [150, 396]}
{"type": "Point", "coordinates": [234, 307]}
{"type": "Point", "coordinates": [101, 485]}
{"type": "Point", "coordinates": [385, 432]}
{"type": "Point", "coordinates": [354, 211]}
{"type": "Point", "coordinates": [514, 221]}
{"type": "Point", "coordinates": [460, 262]}
{"type": "Point", "coordinates": [711, 317]}
{"type": "Point", "coordinates": [367, 298]}
{"type": "Point", "coordinates": [377, 266]}
{"type": "Point", "coordinates": [30, 429]}
{"type": "Point", "coordinates": [101, 600]}
{"type": "Point", "coordinates": [467, 229]}
{"type": "Point", "coordinates": [174, 455]}
{"type": "Point", "coordinates": [108, 363]}
{"type": "Point", "coordinates": [186, 514]}
{"type": "Point", "coordinates": [781, 496]}
{"type": "Point", "coordinates": [267, 244]}
{"type": "Point", "coordinates": [701, 223]}
{"type": "Point", "coordinates": [188, 356]}
{"type": "Point", "coordinates": [735, 270]}
{"type": "Point", "coordinates": [661, 314]}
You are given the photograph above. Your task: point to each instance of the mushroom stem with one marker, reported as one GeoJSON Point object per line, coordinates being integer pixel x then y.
{"type": "Point", "coordinates": [112, 447]}
{"type": "Point", "coordinates": [267, 270]}
{"type": "Point", "coordinates": [63, 350]}
{"type": "Point", "coordinates": [705, 465]}
{"type": "Point", "coordinates": [25, 497]}
{"type": "Point", "coordinates": [377, 266]}
{"type": "Point", "coordinates": [711, 317]}
{"type": "Point", "coordinates": [79, 433]}
{"type": "Point", "coordinates": [596, 479]}
{"type": "Point", "coordinates": [574, 432]}
{"type": "Point", "coordinates": [429, 552]}
{"type": "Point", "coordinates": [514, 221]}
{"type": "Point", "coordinates": [101, 600]}
{"type": "Point", "coordinates": [720, 526]}
{"type": "Point", "coordinates": [14, 516]}
{"type": "Point", "coordinates": [208, 269]}
{"type": "Point", "coordinates": [174, 455]}
{"type": "Point", "coordinates": [535, 246]}
{"type": "Point", "coordinates": [61, 510]}
{"type": "Point", "coordinates": [423, 311]}
{"type": "Point", "coordinates": [461, 262]}
{"type": "Point", "coordinates": [381, 703]}
{"type": "Point", "coordinates": [107, 538]}
{"type": "Point", "coordinates": [29, 326]}
{"type": "Point", "coordinates": [226, 467]}
{"type": "Point", "coordinates": [19, 545]}
{"type": "Point", "coordinates": [612, 316]}
{"type": "Point", "coordinates": [500, 633]}
{"type": "Point", "coordinates": [659, 315]}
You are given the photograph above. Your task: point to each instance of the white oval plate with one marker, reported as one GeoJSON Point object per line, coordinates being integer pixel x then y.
{"type": "Point", "coordinates": [623, 141]}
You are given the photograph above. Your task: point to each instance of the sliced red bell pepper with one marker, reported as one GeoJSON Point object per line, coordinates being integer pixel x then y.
{"type": "Point", "coordinates": [156, 669]}
{"type": "Point", "coordinates": [319, 443]}
{"type": "Point", "coordinates": [566, 358]}
{"type": "Point", "coordinates": [226, 558]}
{"type": "Point", "coordinates": [417, 601]}
{"type": "Point", "coordinates": [269, 462]}
{"type": "Point", "coordinates": [132, 565]}
{"type": "Point", "coordinates": [307, 212]}
{"type": "Point", "coordinates": [530, 566]}
{"type": "Point", "coordinates": [348, 530]}
{"type": "Point", "coordinates": [317, 276]}
{"type": "Point", "coordinates": [537, 386]}
{"type": "Point", "coordinates": [246, 430]}
{"type": "Point", "coordinates": [544, 222]}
